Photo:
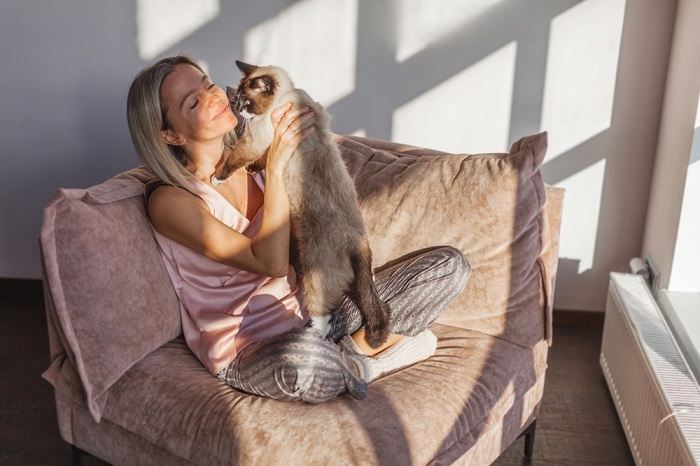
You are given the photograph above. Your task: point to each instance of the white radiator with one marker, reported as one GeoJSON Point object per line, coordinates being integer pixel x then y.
{"type": "Point", "coordinates": [656, 395]}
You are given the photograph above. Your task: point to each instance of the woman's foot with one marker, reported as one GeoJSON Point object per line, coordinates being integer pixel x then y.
{"type": "Point", "coordinates": [406, 352]}
{"type": "Point", "coordinates": [359, 339]}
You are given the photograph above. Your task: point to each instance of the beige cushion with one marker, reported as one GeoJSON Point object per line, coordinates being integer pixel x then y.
{"type": "Point", "coordinates": [490, 206]}
{"type": "Point", "coordinates": [113, 300]}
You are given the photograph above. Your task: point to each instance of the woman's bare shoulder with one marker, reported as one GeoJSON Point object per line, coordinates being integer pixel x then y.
{"type": "Point", "coordinates": [165, 199]}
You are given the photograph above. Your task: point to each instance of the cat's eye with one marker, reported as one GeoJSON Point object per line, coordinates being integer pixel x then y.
{"type": "Point", "coordinates": [261, 84]}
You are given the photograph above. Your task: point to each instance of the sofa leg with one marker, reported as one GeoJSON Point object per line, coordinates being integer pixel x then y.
{"type": "Point", "coordinates": [77, 455]}
{"type": "Point", "coordinates": [529, 434]}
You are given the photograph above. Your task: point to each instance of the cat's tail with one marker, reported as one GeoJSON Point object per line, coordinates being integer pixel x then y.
{"type": "Point", "coordinates": [375, 313]}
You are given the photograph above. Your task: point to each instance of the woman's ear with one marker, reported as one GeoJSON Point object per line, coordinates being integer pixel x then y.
{"type": "Point", "coordinates": [171, 137]}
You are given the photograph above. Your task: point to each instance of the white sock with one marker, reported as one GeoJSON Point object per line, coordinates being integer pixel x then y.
{"type": "Point", "coordinates": [408, 351]}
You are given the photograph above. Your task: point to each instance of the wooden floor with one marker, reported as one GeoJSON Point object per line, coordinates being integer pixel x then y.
{"type": "Point", "coordinates": [577, 424]}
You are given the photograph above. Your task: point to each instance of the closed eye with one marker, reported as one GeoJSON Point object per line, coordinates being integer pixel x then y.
{"type": "Point", "coordinates": [196, 101]}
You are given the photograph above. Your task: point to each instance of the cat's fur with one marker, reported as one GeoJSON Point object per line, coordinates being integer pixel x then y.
{"type": "Point", "coordinates": [329, 242]}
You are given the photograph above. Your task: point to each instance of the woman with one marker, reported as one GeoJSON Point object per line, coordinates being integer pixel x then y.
{"type": "Point", "coordinates": [226, 249]}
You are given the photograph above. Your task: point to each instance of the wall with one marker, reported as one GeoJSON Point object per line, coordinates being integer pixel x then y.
{"type": "Point", "coordinates": [467, 77]}
{"type": "Point", "coordinates": [680, 126]}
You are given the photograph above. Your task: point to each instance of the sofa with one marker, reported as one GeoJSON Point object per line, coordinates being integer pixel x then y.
{"type": "Point", "coordinates": [129, 391]}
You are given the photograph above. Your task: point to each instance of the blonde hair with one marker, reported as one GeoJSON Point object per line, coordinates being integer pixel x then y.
{"type": "Point", "coordinates": [145, 114]}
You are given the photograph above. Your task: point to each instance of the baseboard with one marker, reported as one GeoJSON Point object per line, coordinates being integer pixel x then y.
{"type": "Point", "coordinates": [20, 288]}
{"type": "Point", "coordinates": [576, 318]}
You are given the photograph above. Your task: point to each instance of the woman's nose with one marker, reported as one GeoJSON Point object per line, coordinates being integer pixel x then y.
{"type": "Point", "coordinates": [213, 101]}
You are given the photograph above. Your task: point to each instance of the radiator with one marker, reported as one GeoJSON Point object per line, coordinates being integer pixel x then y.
{"type": "Point", "coordinates": [655, 393]}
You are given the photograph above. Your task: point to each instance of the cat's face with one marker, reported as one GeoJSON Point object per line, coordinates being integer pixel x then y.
{"type": "Point", "coordinates": [260, 89]}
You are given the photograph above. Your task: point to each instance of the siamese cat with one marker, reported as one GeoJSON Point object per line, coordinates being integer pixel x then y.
{"type": "Point", "coordinates": [330, 246]}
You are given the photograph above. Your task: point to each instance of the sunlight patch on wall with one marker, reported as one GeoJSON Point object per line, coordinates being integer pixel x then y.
{"type": "Point", "coordinates": [424, 22]}
{"type": "Point", "coordinates": [579, 223]}
{"type": "Point", "coordinates": [163, 23]}
{"type": "Point", "coordinates": [686, 256]}
{"type": "Point", "coordinates": [315, 42]}
{"type": "Point", "coordinates": [468, 113]}
{"type": "Point", "coordinates": [584, 46]}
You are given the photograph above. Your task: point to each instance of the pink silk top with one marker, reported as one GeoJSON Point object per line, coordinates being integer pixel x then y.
{"type": "Point", "coordinates": [224, 308]}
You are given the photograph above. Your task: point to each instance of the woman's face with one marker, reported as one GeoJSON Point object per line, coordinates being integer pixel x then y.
{"type": "Point", "coordinates": [196, 109]}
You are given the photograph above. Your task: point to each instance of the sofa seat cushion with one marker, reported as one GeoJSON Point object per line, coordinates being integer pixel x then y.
{"type": "Point", "coordinates": [408, 417]}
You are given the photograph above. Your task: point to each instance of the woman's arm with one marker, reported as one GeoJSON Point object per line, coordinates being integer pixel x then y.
{"type": "Point", "coordinates": [185, 219]}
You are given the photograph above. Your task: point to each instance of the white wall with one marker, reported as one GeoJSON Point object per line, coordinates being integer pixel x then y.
{"type": "Point", "coordinates": [672, 223]}
{"type": "Point", "coordinates": [465, 76]}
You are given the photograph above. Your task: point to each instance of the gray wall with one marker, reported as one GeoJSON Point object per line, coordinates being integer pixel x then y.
{"type": "Point", "coordinates": [68, 66]}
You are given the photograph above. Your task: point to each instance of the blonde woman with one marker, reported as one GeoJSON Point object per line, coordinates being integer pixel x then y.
{"type": "Point", "coordinates": [226, 249]}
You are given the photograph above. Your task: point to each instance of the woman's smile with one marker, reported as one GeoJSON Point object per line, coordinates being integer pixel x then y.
{"type": "Point", "coordinates": [222, 111]}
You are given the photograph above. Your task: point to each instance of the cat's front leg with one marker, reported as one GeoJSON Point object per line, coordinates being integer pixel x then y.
{"type": "Point", "coordinates": [255, 166]}
{"type": "Point", "coordinates": [236, 159]}
{"type": "Point", "coordinates": [224, 171]}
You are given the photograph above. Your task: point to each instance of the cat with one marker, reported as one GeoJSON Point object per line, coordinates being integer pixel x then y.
{"type": "Point", "coordinates": [330, 245]}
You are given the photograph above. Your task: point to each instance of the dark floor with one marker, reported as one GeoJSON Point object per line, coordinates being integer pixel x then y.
{"type": "Point", "coordinates": [577, 424]}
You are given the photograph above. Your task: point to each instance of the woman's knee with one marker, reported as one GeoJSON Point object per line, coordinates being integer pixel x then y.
{"type": "Point", "coordinates": [449, 273]}
{"type": "Point", "coordinates": [460, 264]}
{"type": "Point", "coordinates": [454, 263]}
{"type": "Point", "coordinates": [308, 384]}
{"type": "Point", "coordinates": [314, 377]}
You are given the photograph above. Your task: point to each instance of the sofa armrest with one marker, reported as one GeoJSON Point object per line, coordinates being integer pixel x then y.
{"type": "Point", "coordinates": [549, 257]}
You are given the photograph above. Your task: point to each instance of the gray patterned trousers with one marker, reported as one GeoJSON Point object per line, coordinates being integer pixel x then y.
{"type": "Point", "coordinates": [302, 365]}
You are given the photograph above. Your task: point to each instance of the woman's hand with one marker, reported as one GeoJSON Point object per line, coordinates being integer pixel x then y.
{"type": "Point", "coordinates": [290, 125]}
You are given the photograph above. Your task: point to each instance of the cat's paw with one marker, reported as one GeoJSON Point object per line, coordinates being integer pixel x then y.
{"type": "Point", "coordinates": [322, 324]}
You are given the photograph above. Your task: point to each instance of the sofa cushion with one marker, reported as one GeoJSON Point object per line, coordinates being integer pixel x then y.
{"type": "Point", "coordinates": [439, 405]}
{"type": "Point", "coordinates": [489, 206]}
{"type": "Point", "coordinates": [110, 292]}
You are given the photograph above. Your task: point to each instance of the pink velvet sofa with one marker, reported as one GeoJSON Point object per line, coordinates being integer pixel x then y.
{"type": "Point", "coordinates": [129, 391]}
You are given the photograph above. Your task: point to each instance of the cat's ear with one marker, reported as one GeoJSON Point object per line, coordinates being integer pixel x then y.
{"type": "Point", "coordinates": [245, 67]}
